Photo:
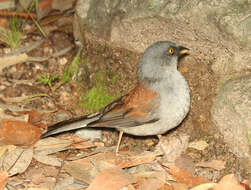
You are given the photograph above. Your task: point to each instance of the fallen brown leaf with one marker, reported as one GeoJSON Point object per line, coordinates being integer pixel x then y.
{"type": "Point", "coordinates": [228, 182]}
{"type": "Point", "coordinates": [161, 175]}
{"type": "Point", "coordinates": [48, 160]}
{"type": "Point", "coordinates": [214, 164]}
{"type": "Point", "coordinates": [82, 170]}
{"type": "Point", "coordinates": [186, 163]}
{"type": "Point", "coordinates": [79, 143]}
{"type": "Point", "coordinates": [16, 161]}
{"type": "Point", "coordinates": [3, 179]}
{"type": "Point", "coordinates": [185, 177]}
{"type": "Point", "coordinates": [204, 186]}
{"type": "Point", "coordinates": [35, 118]}
{"type": "Point", "coordinates": [51, 145]}
{"type": "Point", "coordinates": [134, 160]}
{"type": "Point", "coordinates": [111, 179]}
{"type": "Point", "coordinates": [124, 161]}
{"type": "Point", "coordinates": [19, 133]}
{"type": "Point", "coordinates": [180, 186]}
{"type": "Point", "coordinates": [151, 184]}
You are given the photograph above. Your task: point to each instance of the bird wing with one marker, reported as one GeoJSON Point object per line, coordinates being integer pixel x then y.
{"type": "Point", "coordinates": [136, 108]}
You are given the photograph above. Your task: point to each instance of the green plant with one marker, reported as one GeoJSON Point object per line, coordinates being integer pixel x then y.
{"type": "Point", "coordinates": [47, 80]}
{"type": "Point", "coordinates": [73, 68]}
{"type": "Point", "coordinates": [14, 35]}
{"type": "Point", "coordinates": [115, 78]}
{"type": "Point", "coordinates": [33, 4]}
{"type": "Point", "coordinates": [249, 138]}
{"type": "Point", "coordinates": [97, 97]}
{"type": "Point", "coordinates": [71, 71]}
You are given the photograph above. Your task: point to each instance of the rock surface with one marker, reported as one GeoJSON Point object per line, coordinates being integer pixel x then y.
{"type": "Point", "coordinates": [218, 29]}
{"type": "Point", "coordinates": [231, 113]}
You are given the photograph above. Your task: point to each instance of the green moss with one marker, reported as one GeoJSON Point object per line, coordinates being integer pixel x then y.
{"type": "Point", "coordinates": [115, 78]}
{"type": "Point", "coordinates": [100, 78]}
{"type": "Point", "coordinates": [96, 98]}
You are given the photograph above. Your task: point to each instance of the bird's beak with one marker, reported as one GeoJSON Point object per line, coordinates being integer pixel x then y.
{"type": "Point", "coordinates": [183, 51]}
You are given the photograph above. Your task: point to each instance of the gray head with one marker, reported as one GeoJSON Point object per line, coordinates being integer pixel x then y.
{"type": "Point", "coordinates": [157, 59]}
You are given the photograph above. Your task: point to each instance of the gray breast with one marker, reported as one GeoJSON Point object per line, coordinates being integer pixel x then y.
{"type": "Point", "coordinates": [174, 106]}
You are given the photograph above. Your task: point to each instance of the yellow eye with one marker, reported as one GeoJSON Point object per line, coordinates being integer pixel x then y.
{"type": "Point", "coordinates": [171, 51]}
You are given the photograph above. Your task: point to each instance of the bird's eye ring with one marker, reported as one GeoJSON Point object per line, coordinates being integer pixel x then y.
{"type": "Point", "coordinates": [171, 51]}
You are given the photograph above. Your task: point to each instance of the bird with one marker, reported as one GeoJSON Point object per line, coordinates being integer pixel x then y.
{"type": "Point", "coordinates": [159, 102]}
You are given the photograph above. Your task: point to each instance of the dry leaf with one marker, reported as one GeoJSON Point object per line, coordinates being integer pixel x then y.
{"type": "Point", "coordinates": [186, 163]}
{"type": "Point", "coordinates": [185, 177]}
{"type": "Point", "coordinates": [214, 164]}
{"type": "Point", "coordinates": [51, 145]}
{"type": "Point", "coordinates": [3, 179]}
{"type": "Point", "coordinates": [16, 161]}
{"type": "Point", "coordinates": [198, 145]}
{"type": "Point", "coordinates": [111, 179]}
{"type": "Point", "coordinates": [161, 175]}
{"type": "Point", "coordinates": [48, 160]}
{"type": "Point", "coordinates": [79, 143]}
{"type": "Point", "coordinates": [3, 149]}
{"type": "Point", "coordinates": [82, 170]}
{"type": "Point", "coordinates": [179, 186]}
{"type": "Point", "coordinates": [63, 184]}
{"type": "Point", "coordinates": [42, 175]}
{"type": "Point", "coordinates": [18, 133]}
{"type": "Point", "coordinates": [35, 118]}
{"type": "Point", "coordinates": [204, 186]}
{"type": "Point", "coordinates": [151, 184]}
{"type": "Point", "coordinates": [130, 159]}
{"type": "Point", "coordinates": [228, 182]}
{"type": "Point", "coordinates": [146, 157]}
{"type": "Point", "coordinates": [124, 161]}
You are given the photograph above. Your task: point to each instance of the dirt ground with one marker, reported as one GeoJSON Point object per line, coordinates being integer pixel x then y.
{"type": "Point", "coordinates": [21, 80]}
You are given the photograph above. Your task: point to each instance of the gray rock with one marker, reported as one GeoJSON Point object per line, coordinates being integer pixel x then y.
{"type": "Point", "coordinates": [98, 15]}
{"type": "Point", "coordinates": [215, 28]}
{"type": "Point", "coordinates": [88, 133]}
{"type": "Point", "coordinates": [231, 112]}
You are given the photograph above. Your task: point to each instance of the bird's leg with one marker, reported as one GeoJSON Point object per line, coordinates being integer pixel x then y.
{"type": "Point", "coordinates": [160, 144]}
{"type": "Point", "coordinates": [120, 137]}
{"type": "Point", "coordinates": [159, 137]}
